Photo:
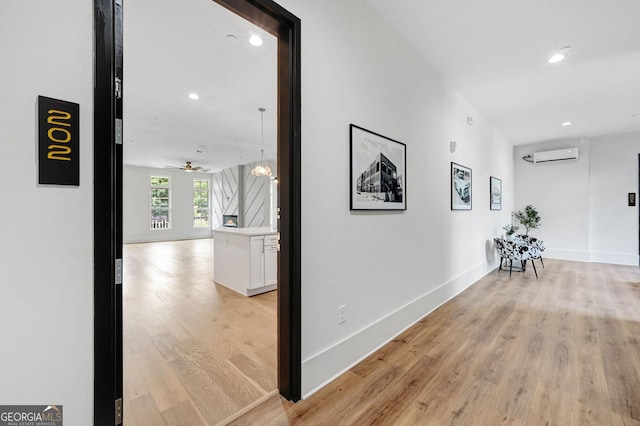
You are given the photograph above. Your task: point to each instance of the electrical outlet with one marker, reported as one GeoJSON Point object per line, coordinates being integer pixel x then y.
{"type": "Point", "coordinates": [342, 315]}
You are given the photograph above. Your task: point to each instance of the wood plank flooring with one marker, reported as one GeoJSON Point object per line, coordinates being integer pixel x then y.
{"type": "Point", "coordinates": [560, 350]}
{"type": "Point", "coordinates": [195, 353]}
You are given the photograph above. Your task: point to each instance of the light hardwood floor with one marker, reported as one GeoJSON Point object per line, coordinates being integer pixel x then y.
{"type": "Point", "coordinates": [195, 353]}
{"type": "Point", "coordinates": [560, 350]}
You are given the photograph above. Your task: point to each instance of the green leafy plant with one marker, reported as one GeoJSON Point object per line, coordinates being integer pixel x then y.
{"type": "Point", "coordinates": [510, 229]}
{"type": "Point", "coordinates": [529, 218]}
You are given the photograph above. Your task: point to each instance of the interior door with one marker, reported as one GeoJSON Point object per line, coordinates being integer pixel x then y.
{"type": "Point", "coordinates": [107, 161]}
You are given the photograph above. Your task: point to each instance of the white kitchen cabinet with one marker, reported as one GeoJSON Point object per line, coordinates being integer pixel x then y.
{"type": "Point", "coordinates": [263, 261]}
{"type": "Point", "coordinates": [256, 262]}
{"type": "Point", "coordinates": [270, 260]}
{"type": "Point", "coordinates": [246, 259]}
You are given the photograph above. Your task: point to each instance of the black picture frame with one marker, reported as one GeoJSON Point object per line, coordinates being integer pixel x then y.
{"type": "Point", "coordinates": [461, 187]}
{"type": "Point", "coordinates": [378, 170]}
{"type": "Point", "coordinates": [495, 193]}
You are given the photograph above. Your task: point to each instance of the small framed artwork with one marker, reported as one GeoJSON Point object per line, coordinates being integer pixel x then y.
{"type": "Point", "coordinates": [460, 187]}
{"type": "Point", "coordinates": [495, 193]}
{"type": "Point", "coordinates": [378, 171]}
{"type": "Point", "coordinates": [631, 199]}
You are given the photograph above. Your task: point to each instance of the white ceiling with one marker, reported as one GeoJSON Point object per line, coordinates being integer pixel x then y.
{"type": "Point", "coordinates": [493, 52]}
{"type": "Point", "coordinates": [173, 48]}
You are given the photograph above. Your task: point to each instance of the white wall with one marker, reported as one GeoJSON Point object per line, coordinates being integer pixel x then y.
{"type": "Point", "coordinates": [583, 203]}
{"type": "Point", "coordinates": [46, 248]}
{"type": "Point", "coordinates": [613, 225]}
{"type": "Point", "coordinates": [136, 201]}
{"type": "Point", "coordinates": [560, 192]}
{"type": "Point", "coordinates": [235, 191]}
{"type": "Point", "coordinates": [388, 268]}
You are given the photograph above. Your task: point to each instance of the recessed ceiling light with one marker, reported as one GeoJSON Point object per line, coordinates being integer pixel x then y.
{"type": "Point", "coordinates": [556, 58]}
{"type": "Point", "coordinates": [255, 40]}
{"type": "Point", "coordinates": [194, 96]}
{"type": "Point", "coordinates": [567, 123]}
{"type": "Point", "coordinates": [559, 55]}
{"type": "Point", "coordinates": [231, 37]}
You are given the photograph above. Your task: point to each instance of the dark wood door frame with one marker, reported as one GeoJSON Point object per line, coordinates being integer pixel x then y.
{"type": "Point", "coordinates": [269, 16]}
{"type": "Point", "coordinates": [107, 165]}
{"type": "Point", "coordinates": [107, 230]}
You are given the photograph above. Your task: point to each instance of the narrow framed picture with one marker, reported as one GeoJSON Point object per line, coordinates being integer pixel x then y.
{"type": "Point", "coordinates": [495, 193]}
{"type": "Point", "coordinates": [461, 185]}
{"type": "Point", "coordinates": [378, 171]}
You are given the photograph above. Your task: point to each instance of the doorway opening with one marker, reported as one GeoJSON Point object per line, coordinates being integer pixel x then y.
{"type": "Point", "coordinates": [200, 109]}
{"type": "Point", "coordinates": [108, 172]}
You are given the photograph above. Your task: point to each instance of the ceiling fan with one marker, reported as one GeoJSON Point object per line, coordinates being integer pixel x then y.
{"type": "Point", "coordinates": [188, 168]}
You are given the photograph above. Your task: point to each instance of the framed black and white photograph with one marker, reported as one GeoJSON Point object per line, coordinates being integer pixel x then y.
{"type": "Point", "coordinates": [495, 193]}
{"type": "Point", "coordinates": [460, 187]}
{"type": "Point", "coordinates": [378, 171]}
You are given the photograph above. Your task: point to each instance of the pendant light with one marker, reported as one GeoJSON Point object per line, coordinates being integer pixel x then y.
{"type": "Point", "coordinates": [261, 168]}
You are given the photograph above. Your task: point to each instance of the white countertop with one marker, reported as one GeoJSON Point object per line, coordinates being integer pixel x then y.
{"type": "Point", "coordinates": [266, 230]}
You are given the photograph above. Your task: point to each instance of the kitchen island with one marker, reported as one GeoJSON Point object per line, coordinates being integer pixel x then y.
{"type": "Point", "coordinates": [246, 259]}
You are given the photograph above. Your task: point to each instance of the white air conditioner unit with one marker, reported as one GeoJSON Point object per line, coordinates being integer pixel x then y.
{"type": "Point", "coordinates": [556, 155]}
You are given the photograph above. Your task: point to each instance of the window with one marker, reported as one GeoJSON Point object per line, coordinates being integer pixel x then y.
{"type": "Point", "coordinates": [160, 203]}
{"type": "Point", "coordinates": [200, 203]}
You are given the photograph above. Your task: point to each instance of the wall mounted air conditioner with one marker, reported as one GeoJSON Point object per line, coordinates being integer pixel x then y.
{"type": "Point", "coordinates": [556, 155]}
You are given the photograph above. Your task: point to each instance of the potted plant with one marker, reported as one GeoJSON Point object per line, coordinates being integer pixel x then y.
{"type": "Point", "coordinates": [510, 230]}
{"type": "Point", "coordinates": [529, 218]}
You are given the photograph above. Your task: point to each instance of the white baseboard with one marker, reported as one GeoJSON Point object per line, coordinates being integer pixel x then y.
{"type": "Point", "coordinates": [323, 367]}
{"type": "Point", "coordinates": [594, 256]}
{"type": "Point", "coordinates": [575, 255]}
{"type": "Point", "coordinates": [163, 236]}
{"type": "Point", "coordinates": [615, 258]}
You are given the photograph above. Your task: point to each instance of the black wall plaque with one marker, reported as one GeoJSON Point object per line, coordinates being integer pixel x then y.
{"type": "Point", "coordinates": [58, 142]}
